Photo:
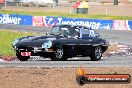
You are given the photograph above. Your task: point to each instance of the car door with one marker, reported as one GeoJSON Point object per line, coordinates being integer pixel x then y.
{"type": "Point", "coordinates": [86, 39]}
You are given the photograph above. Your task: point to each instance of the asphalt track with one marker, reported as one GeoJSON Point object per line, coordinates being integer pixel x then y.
{"type": "Point", "coordinates": [123, 37]}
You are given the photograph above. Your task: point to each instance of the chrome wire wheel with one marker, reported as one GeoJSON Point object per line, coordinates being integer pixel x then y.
{"type": "Point", "coordinates": [59, 53]}
{"type": "Point", "coordinates": [98, 52]}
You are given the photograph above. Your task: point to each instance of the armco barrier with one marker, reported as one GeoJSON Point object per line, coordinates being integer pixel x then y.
{"type": "Point", "coordinates": [15, 19]}
{"type": "Point", "coordinates": [50, 21]}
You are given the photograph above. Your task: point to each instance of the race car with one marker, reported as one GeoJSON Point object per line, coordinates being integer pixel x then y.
{"type": "Point", "coordinates": [61, 43]}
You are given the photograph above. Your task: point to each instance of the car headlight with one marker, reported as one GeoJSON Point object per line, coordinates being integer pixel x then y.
{"type": "Point", "coordinates": [15, 41]}
{"type": "Point", "coordinates": [47, 44]}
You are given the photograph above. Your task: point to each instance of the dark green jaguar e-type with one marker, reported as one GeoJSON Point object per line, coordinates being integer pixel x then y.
{"type": "Point", "coordinates": [61, 43]}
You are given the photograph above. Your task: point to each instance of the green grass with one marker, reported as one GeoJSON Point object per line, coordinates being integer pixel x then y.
{"type": "Point", "coordinates": [67, 15]}
{"type": "Point", "coordinates": [6, 38]}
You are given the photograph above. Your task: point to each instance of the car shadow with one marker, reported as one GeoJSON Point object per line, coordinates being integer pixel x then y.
{"type": "Point", "coordinates": [70, 59]}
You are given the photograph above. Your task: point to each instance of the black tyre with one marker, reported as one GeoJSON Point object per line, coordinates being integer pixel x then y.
{"type": "Point", "coordinates": [81, 80]}
{"type": "Point", "coordinates": [59, 54]}
{"type": "Point", "coordinates": [22, 58]}
{"type": "Point", "coordinates": [96, 54]}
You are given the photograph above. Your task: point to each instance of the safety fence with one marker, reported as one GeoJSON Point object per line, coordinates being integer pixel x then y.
{"type": "Point", "coordinates": [50, 21]}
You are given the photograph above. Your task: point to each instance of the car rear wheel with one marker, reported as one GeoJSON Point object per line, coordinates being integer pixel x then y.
{"type": "Point", "coordinates": [59, 54]}
{"type": "Point", "coordinates": [97, 54]}
{"type": "Point", "coordinates": [22, 58]}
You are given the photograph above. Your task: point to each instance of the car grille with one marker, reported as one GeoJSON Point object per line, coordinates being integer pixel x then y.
{"type": "Point", "coordinates": [32, 49]}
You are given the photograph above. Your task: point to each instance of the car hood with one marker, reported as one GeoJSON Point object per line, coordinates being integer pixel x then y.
{"type": "Point", "coordinates": [35, 41]}
{"type": "Point", "coordinates": [43, 38]}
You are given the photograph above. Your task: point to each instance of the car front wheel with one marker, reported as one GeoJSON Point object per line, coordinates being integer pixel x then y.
{"type": "Point", "coordinates": [97, 54]}
{"type": "Point", "coordinates": [22, 58]}
{"type": "Point", "coordinates": [59, 54]}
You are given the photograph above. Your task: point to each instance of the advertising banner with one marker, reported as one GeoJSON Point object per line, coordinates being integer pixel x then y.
{"type": "Point", "coordinates": [121, 25]}
{"type": "Point", "coordinates": [93, 23]}
{"type": "Point", "coordinates": [130, 24]}
{"type": "Point", "coordinates": [50, 21]}
{"type": "Point", "coordinates": [15, 19]}
{"type": "Point", "coordinates": [38, 21]}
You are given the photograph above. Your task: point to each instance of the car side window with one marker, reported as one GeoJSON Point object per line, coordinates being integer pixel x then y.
{"type": "Point", "coordinates": [87, 33]}
{"type": "Point", "coordinates": [92, 33]}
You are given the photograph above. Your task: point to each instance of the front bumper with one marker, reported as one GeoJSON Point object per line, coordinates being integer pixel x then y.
{"type": "Point", "coordinates": [32, 49]}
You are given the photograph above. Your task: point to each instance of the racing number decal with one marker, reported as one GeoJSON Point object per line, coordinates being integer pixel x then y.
{"type": "Point", "coordinates": [91, 33]}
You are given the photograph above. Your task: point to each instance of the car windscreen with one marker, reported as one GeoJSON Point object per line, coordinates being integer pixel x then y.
{"type": "Point", "coordinates": [64, 31]}
{"type": "Point", "coordinates": [55, 31]}
{"type": "Point", "coordinates": [70, 32]}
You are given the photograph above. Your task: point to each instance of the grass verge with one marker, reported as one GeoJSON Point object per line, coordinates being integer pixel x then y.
{"type": "Point", "coordinates": [67, 15]}
{"type": "Point", "coordinates": [6, 39]}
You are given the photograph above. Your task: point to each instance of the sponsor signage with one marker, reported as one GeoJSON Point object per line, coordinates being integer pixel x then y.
{"type": "Point", "coordinates": [15, 19]}
{"type": "Point", "coordinates": [93, 23]}
{"type": "Point", "coordinates": [48, 21]}
{"type": "Point", "coordinates": [38, 21]}
{"type": "Point", "coordinates": [121, 25]}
